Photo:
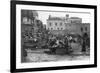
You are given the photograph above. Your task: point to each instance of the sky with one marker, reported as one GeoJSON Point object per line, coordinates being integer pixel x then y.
{"type": "Point", "coordinates": [43, 15]}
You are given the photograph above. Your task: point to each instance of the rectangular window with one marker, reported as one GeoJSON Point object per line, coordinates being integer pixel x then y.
{"type": "Point", "coordinates": [60, 24]}
{"type": "Point", "coordinates": [61, 28]}
{"type": "Point", "coordinates": [50, 24]}
{"type": "Point", "coordinates": [55, 24]}
{"type": "Point", "coordinates": [85, 28]}
{"type": "Point", "coordinates": [81, 29]}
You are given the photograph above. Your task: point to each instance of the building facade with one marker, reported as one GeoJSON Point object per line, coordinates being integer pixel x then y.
{"type": "Point", "coordinates": [56, 23]}
{"type": "Point", "coordinates": [65, 25]}
{"type": "Point", "coordinates": [78, 28]}
{"type": "Point", "coordinates": [30, 24]}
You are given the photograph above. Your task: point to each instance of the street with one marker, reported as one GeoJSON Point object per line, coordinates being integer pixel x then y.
{"type": "Point", "coordinates": [40, 56]}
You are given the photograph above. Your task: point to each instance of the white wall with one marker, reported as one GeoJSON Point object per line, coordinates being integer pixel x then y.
{"type": "Point", "coordinates": [55, 27]}
{"type": "Point", "coordinates": [5, 36]}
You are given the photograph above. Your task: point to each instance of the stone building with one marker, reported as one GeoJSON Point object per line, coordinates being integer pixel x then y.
{"type": "Point", "coordinates": [78, 28]}
{"type": "Point", "coordinates": [65, 25]}
{"type": "Point", "coordinates": [56, 23]}
{"type": "Point", "coordinates": [27, 19]}
{"type": "Point", "coordinates": [30, 23]}
{"type": "Point", "coordinates": [75, 20]}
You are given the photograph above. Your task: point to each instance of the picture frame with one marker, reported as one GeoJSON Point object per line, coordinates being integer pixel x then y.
{"type": "Point", "coordinates": [16, 9]}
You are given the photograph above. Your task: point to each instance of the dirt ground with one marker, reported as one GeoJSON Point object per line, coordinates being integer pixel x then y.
{"type": "Point", "coordinates": [40, 56]}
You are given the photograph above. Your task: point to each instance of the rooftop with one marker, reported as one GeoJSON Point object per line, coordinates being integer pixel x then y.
{"type": "Point", "coordinates": [75, 18]}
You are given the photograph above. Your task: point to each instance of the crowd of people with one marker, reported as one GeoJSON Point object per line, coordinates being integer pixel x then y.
{"type": "Point", "coordinates": [54, 42]}
{"type": "Point", "coordinates": [66, 40]}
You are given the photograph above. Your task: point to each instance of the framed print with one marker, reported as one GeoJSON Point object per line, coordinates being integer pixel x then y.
{"type": "Point", "coordinates": [52, 36]}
